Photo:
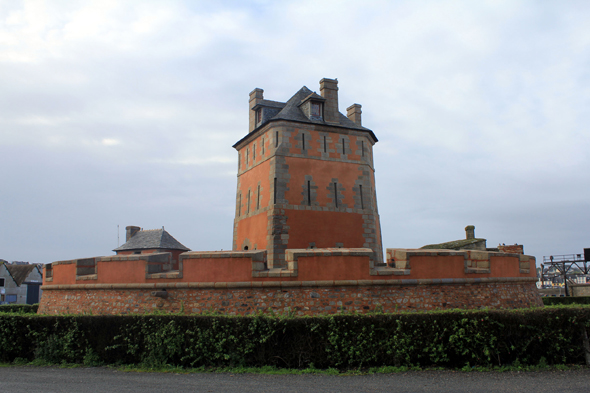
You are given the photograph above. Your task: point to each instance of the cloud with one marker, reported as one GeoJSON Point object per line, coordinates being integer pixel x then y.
{"type": "Point", "coordinates": [125, 113]}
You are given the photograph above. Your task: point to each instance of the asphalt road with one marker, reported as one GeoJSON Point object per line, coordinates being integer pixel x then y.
{"type": "Point", "coordinates": [87, 380]}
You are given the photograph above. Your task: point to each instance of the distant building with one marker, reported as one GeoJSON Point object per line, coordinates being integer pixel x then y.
{"type": "Point", "coordinates": [149, 241]}
{"type": "Point", "coordinates": [469, 243]}
{"type": "Point", "coordinates": [472, 243]}
{"type": "Point", "coordinates": [20, 283]}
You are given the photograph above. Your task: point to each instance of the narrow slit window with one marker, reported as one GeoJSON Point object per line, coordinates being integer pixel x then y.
{"type": "Point", "coordinates": [247, 157]}
{"type": "Point", "coordinates": [240, 205]}
{"type": "Point", "coordinates": [275, 192]}
{"type": "Point", "coordinates": [248, 207]}
{"type": "Point", "coordinates": [362, 148]}
{"type": "Point", "coordinates": [325, 146]}
{"type": "Point", "coordinates": [303, 141]}
{"type": "Point", "coordinates": [336, 194]}
{"type": "Point", "coordinates": [276, 139]}
{"type": "Point", "coordinates": [308, 193]}
{"type": "Point", "coordinates": [263, 146]}
{"type": "Point", "coordinates": [343, 147]}
{"type": "Point", "coordinates": [361, 192]}
{"type": "Point", "coordinates": [239, 160]}
{"type": "Point", "coordinates": [258, 199]}
{"type": "Point", "coordinates": [254, 153]}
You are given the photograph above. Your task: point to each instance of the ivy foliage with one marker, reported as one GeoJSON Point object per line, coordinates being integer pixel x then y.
{"type": "Point", "coordinates": [556, 300]}
{"type": "Point", "coordinates": [19, 308]}
{"type": "Point", "coordinates": [452, 339]}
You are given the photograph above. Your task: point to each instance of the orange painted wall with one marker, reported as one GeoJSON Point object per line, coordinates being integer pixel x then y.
{"type": "Point", "coordinates": [250, 179]}
{"type": "Point", "coordinates": [120, 272]}
{"type": "Point", "coordinates": [323, 172]}
{"type": "Point", "coordinates": [315, 146]}
{"type": "Point", "coordinates": [454, 267]}
{"type": "Point", "coordinates": [309, 269]}
{"type": "Point", "coordinates": [253, 228]}
{"type": "Point", "coordinates": [322, 268]}
{"type": "Point", "coordinates": [324, 228]}
{"type": "Point", "coordinates": [64, 274]}
{"type": "Point", "coordinates": [216, 270]}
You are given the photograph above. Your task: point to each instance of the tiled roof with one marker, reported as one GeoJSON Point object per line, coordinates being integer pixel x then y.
{"type": "Point", "coordinates": [290, 110]}
{"type": "Point", "coordinates": [20, 273]}
{"type": "Point", "coordinates": [152, 239]}
{"type": "Point", "coordinates": [271, 104]}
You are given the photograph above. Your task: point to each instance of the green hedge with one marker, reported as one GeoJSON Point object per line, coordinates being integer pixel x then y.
{"type": "Point", "coordinates": [19, 308]}
{"type": "Point", "coordinates": [555, 300]}
{"type": "Point", "coordinates": [549, 335]}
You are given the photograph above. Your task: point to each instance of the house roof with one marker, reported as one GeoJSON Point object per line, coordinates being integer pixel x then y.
{"type": "Point", "coordinates": [152, 239]}
{"type": "Point", "coordinates": [20, 273]}
{"type": "Point", "coordinates": [452, 245]}
{"type": "Point", "coordinates": [291, 111]}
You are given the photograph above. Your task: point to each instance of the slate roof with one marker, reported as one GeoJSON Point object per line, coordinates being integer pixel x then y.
{"type": "Point", "coordinates": [20, 273]}
{"type": "Point", "coordinates": [152, 239]}
{"type": "Point", "coordinates": [452, 245]}
{"type": "Point", "coordinates": [290, 110]}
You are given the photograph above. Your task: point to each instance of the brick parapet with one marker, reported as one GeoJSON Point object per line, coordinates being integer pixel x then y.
{"type": "Point", "coordinates": [297, 284]}
{"type": "Point", "coordinates": [475, 261]}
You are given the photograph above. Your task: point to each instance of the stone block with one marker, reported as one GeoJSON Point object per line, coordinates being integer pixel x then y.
{"type": "Point", "coordinates": [478, 255]}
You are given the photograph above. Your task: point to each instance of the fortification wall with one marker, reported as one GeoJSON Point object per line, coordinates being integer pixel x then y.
{"type": "Point", "coordinates": [315, 281]}
{"type": "Point", "coordinates": [309, 298]}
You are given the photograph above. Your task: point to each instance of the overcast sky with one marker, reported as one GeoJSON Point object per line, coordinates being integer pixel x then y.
{"type": "Point", "coordinates": [124, 113]}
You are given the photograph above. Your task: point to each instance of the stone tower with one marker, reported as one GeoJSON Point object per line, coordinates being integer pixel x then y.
{"type": "Point", "coordinates": [305, 177]}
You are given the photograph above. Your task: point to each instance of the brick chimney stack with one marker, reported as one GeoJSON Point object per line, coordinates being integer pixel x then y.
{"type": "Point", "coordinates": [256, 96]}
{"type": "Point", "coordinates": [329, 90]}
{"type": "Point", "coordinates": [470, 232]}
{"type": "Point", "coordinates": [131, 231]}
{"type": "Point", "coordinates": [353, 112]}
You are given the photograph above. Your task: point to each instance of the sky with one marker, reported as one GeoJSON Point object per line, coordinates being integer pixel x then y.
{"type": "Point", "coordinates": [124, 113]}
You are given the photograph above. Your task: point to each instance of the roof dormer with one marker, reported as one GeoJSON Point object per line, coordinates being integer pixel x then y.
{"type": "Point", "coordinates": [313, 107]}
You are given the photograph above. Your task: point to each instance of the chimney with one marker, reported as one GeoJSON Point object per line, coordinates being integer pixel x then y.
{"type": "Point", "coordinates": [131, 231]}
{"type": "Point", "coordinates": [329, 90]}
{"type": "Point", "coordinates": [353, 112]}
{"type": "Point", "coordinates": [256, 96]}
{"type": "Point", "coordinates": [470, 232]}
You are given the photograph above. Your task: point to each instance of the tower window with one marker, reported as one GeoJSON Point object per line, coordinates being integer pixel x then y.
{"type": "Point", "coordinates": [336, 194]}
{"type": "Point", "coordinates": [254, 153]}
{"type": "Point", "coordinates": [247, 157]}
{"type": "Point", "coordinates": [343, 146]}
{"type": "Point", "coordinates": [262, 146]}
{"type": "Point", "coordinates": [248, 207]}
{"type": "Point", "coordinates": [303, 141]}
{"type": "Point", "coordinates": [362, 148]}
{"type": "Point", "coordinates": [361, 192]}
{"type": "Point", "coordinates": [275, 192]}
{"type": "Point", "coordinates": [325, 146]}
{"type": "Point", "coordinates": [258, 199]}
{"type": "Point", "coordinates": [276, 139]}
{"type": "Point", "coordinates": [316, 109]}
{"type": "Point", "coordinates": [308, 193]}
{"type": "Point", "coordinates": [240, 205]}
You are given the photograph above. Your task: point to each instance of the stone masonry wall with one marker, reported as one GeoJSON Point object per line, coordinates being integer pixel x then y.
{"type": "Point", "coordinates": [304, 300]}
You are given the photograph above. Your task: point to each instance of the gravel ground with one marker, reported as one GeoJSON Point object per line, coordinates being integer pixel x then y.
{"type": "Point", "coordinates": [86, 380]}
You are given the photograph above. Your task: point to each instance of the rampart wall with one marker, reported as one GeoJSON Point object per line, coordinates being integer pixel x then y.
{"type": "Point", "coordinates": [314, 281]}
